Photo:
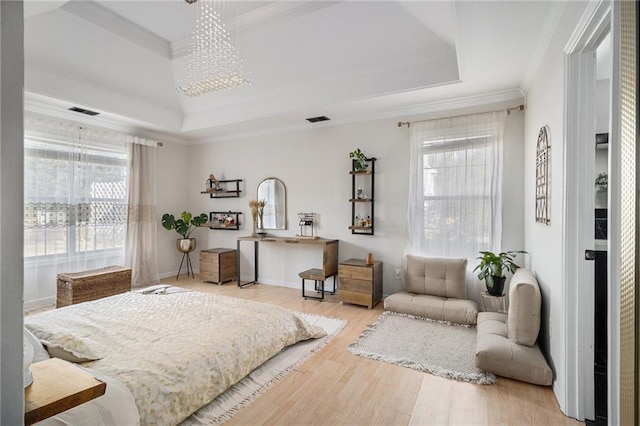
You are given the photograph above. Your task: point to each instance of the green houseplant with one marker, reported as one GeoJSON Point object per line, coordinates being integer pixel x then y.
{"type": "Point", "coordinates": [359, 163]}
{"type": "Point", "coordinates": [184, 226]}
{"type": "Point", "coordinates": [493, 266]}
{"type": "Point", "coordinates": [602, 180]}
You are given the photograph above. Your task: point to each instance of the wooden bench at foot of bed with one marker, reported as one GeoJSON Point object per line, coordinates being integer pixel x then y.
{"type": "Point", "coordinates": [77, 287]}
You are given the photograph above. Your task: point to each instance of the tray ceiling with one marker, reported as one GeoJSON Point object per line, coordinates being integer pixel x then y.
{"type": "Point", "coordinates": [348, 60]}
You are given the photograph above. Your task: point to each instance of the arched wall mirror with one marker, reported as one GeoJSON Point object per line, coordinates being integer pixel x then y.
{"type": "Point", "coordinates": [273, 191]}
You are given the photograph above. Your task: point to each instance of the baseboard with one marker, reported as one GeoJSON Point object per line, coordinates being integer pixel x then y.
{"type": "Point", "coordinates": [38, 304]}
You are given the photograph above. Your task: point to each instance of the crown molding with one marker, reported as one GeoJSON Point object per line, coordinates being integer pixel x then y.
{"type": "Point", "coordinates": [548, 29]}
{"type": "Point", "coordinates": [92, 12]}
{"type": "Point", "coordinates": [394, 113]}
{"type": "Point", "coordinates": [454, 103]}
{"type": "Point", "coordinates": [56, 108]}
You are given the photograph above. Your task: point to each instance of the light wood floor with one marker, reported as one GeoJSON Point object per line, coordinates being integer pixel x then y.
{"type": "Point", "coordinates": [337, 388]}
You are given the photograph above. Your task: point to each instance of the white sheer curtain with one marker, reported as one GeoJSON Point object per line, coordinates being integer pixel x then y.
{"type": "Point", "coordinates": [455, 186]}
{"type": "Point", "coordinates": [141, 245]}
{"type": "Point", "coordinates": [75, 201]}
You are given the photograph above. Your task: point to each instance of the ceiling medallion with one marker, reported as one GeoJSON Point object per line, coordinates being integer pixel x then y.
{"type": "Point", "coordinates": [212, 62]}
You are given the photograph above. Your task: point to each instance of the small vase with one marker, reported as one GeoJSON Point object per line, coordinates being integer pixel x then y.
{"type": "Point", "coordinates": [369, 260]}
{"type": "Point", "coordinates": [254, 234]}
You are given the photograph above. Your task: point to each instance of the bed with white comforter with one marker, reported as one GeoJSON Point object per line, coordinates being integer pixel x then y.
{"type": "Point", "coordinates": [173, 352]}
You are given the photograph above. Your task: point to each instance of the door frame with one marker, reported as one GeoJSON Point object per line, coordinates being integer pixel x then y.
{"type": "Point", "coordinates": [578, 298]}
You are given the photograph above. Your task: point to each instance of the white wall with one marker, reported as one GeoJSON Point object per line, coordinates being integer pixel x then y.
{"type": "Point", "coordinates": [173, 192]}
{"type": "Point", "coordinates": [545, 101]}
{"type": "Point", "coordinates": [314, 165]}
{"type": "Point", "coordinates": [11, 202]}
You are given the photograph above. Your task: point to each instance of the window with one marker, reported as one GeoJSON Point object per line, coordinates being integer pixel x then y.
{"type": "Point", "coordinates": [455, 187]}
{"type": "Point", "coordinates": [75, 198]}
{"type": "Point", "coordinates": [457, 202]}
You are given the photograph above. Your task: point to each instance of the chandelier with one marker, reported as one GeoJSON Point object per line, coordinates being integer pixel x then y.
{"type": "Point", "coordinates": [212, 62]}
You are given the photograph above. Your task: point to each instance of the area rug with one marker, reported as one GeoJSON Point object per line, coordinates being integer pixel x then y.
{"type": "Point", "coordinates": [440, 348]}
{"type": "Point", "coordinates": [243, 393]}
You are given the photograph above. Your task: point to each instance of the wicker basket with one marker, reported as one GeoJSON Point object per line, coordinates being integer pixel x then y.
{"type": "Point", "coordinates": [77, 287]}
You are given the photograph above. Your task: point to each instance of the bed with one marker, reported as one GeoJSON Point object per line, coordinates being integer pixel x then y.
{"type": "Point", "coordinates": [173, 350]}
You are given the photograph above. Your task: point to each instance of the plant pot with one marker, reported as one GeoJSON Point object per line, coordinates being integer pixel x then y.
{"type": "Point", "coordinates": [186, 245]}
{"type": "Point", "coordinates": [498, 286]}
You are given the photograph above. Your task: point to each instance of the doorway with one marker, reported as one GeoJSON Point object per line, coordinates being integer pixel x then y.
{"type": "Point", "coordinates": [601, 184]}
{"type": "Point", "coordinates": [580, 200]}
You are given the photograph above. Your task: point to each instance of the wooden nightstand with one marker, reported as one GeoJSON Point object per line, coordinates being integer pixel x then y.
{"type": "Point", "coordinates": [218, 265]}
{"type": "Point", "coordinates": [359, 283]}
{"type": "Point", "coordinates": [57, 386]}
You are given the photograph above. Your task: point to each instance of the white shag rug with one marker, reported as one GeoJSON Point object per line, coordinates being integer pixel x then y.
{"type": "Point", "coordinates": [437, 347]}
{"type": "Point", "coordinates": [243, 393]}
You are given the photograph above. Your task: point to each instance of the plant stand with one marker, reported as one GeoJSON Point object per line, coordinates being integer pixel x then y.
{"type": "Point", "coordinates": [189, 266]}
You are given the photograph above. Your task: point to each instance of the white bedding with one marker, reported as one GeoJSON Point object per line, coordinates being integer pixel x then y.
{"type": "Point", "coordinates": [174, 352]}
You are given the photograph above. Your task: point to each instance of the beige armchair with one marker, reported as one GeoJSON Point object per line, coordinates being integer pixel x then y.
{"type": "Point", "coordinates": [435, 288]}
{"type": "Point", "coordinates": [507, 343]}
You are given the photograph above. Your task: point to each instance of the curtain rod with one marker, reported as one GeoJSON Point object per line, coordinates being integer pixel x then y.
{"type": "Point", "coordinates": [518, 108]}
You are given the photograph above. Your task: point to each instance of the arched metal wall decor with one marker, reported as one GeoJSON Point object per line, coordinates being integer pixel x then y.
{"type": "Point", "coordinates": [542, 177]}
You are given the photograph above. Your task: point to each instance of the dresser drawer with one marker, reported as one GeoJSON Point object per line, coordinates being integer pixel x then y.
{"type": "Point", "coordinates": [355, 272]}
{"type": "Point", "coordinates": [350, 284]}
{"type": "Point", "coordinates": [357, 298]}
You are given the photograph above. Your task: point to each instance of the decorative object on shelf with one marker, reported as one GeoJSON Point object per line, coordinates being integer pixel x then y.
{"type": "Point", "coordinates": [254, 205]}
{"type": "Point", "coordinates": [362, 197]}
{"type": "Point", "coordinates": [492, 268]}
{"type": "Point", "coordinates": [602, 181]}
{"type": "Point", "coordinates": [213, 184]}
{"type": "Point", "coordinates": [542, 177]}
{"type": "Point", "coordinates": [184, 227]}
{"type": "Point", "coordinates": [228, 221]}
{"type": "Point", "coordinates": [359, 160]}
{"type": "Point", "coordinates": [212, 62]}
{"type": "Point", "coordinates": [222, 188]}
{"type": "Point", "coordinates": [273, 191]}
{"type": "Point", "coordinates": [307, 221]}
{"type": "Point", "coordinates": [369, 260]}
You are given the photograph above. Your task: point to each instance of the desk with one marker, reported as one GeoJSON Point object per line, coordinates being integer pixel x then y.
{"type": "Point", "coordinates": [58, 386]}
{"type": "Point", "coordinates": [329, 253]}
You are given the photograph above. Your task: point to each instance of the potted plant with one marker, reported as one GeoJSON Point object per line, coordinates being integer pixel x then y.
{"type": "Point", "coordinates": [492, 268]}
{"type": "Point", "coordinates": [359, 160]}
{"type": "Point", "coordinates": [602, 180]}
{"type": "Point", "coordinates": [184, 226]}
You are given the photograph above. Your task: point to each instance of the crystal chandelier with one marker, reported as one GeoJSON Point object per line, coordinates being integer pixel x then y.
{"type": "Point", "coordinates": [212, 62]}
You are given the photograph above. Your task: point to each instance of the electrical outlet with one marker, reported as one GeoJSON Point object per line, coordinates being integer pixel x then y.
{"type": "Point", "coordinates": [398, 274]}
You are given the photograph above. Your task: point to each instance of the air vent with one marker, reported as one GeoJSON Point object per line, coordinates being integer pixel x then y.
{"type": "Point", "coordinates": [316, 119]}
{"type": "Point", "coordinates": [83, 111]}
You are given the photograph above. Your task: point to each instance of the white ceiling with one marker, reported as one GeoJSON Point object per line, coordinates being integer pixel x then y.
{"type": "Point", "coordinates": [349, 60]}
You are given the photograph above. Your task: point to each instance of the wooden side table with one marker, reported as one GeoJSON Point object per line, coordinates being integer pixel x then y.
{"type": "Point", "coordinates": [491, 303]}
{"type": "Point", "coordinates": [359, 283]}
{"type": "Point", "coordinates": [218, 265]}
{"type": "Point", "coordinates": [57, 386]}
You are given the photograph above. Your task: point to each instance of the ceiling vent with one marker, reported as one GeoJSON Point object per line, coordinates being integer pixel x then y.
{"type": "Point", "coordinates": [83, 111]}
{"type": "Point", "coordinates": [316, 119]}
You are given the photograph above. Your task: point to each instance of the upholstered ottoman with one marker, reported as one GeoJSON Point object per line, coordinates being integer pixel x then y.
{"type": "Point", "coordinates": [506, 343]}
{"type": "Point", "coordinates": [77, 287]}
